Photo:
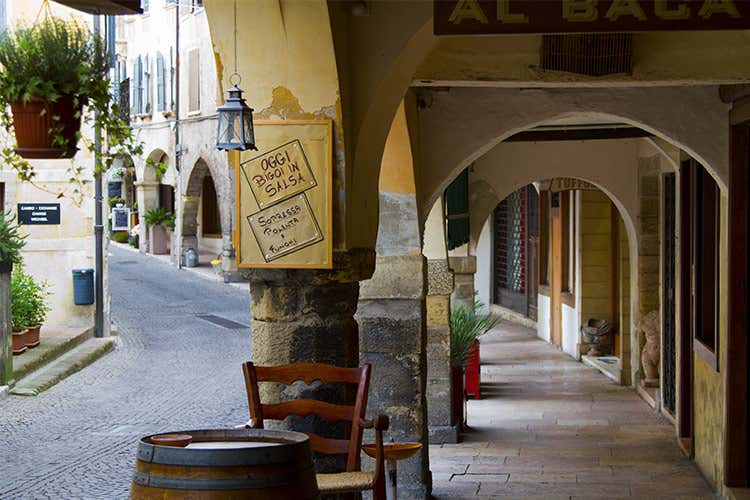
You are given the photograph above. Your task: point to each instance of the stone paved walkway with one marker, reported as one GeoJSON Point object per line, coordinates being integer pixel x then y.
{"type": "Point", "coordinates": [550, 427]}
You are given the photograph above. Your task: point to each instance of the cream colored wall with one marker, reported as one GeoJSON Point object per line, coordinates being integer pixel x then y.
{"type": "Point", "coordinates": [484, 276]}
{"type": "Point", "coordinates": [596, 258]}
{"type": "Point", "coordinates": [53, 251]}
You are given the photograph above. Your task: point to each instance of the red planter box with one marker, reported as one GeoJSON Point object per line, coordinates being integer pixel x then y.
{"type": "Point", "coordinates": [472, 373]}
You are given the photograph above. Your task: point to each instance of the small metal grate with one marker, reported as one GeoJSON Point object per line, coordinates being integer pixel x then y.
{"type": "Point", "coordinates": [588, 54]}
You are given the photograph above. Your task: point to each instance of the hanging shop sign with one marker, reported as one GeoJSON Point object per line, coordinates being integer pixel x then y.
{"type": "Point", "coordinates": [569, 184]}
{"type": "Point", "coordinates": [284, 196]}
{"type": "Point", "coordinates": [488, 17]}
{"type": "Point", "coordinates": [39, 214]}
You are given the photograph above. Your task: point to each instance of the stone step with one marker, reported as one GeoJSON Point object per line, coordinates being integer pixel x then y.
{"type": "Point", "coordinates": [55, 341]}
{"type": "Point", "coordinates": [64, 366]}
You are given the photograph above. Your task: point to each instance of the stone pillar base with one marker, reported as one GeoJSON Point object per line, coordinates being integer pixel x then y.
{"type": "Point", "coordinates": [463, 269]}
{"type": "Point", "coordinates": [308, 316]}
{"type": "Point", "coordinates": [391, 317]}
{"type": "Point", "coordinates": [443, 434]}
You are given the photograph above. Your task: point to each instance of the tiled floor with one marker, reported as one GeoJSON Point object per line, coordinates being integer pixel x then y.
{"type": "Point", "coordinates": [550, 427]}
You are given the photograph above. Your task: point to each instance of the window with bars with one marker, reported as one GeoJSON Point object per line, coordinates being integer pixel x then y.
{"type": "Point", "coordinates": [591, 54]}
{"type": "Point", "coordinates": [161, 83]}
{"type": "Point", "coordinates": [194, 82]}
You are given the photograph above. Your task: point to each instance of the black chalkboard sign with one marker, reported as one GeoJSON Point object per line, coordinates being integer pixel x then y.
{"type": "Point", "coordinates": [114, 189]}
{"type": "Point", "coordinates": [120, 219]}
{"type": "Point", "coordinates": [39, 213]}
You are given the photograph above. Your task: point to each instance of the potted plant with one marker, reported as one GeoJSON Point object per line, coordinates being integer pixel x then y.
{"type": "Point", "coordinates": [21, 309]}
{"type": "Point", "coordinates": [158, 221]}
{"type": "Point", "coordinates": [34, 295]}
{"type": "Point", "coordinates": [468, 323]}
{"type": "Point", "coordinates": [11, 243]}
{"type": "Point", "coordinates": [54, 74]}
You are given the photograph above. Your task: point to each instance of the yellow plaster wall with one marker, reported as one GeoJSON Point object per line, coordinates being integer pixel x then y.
{"type": "Point", "coordinates": [596, 261]}
{"type": "Point", "coordinates": [286, 59]}
{"type": "Point", "coordinates": [397, 167]}
{"type": "Point", "coordinates": [708, 384]}
{"type": "Point", "coordinates": [663, 56]}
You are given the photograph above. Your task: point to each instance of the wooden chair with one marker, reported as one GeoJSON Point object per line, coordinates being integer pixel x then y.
{"type": "Point", "coordinates": [353, 480]}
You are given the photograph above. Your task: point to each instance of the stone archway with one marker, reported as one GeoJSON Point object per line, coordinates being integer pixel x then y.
{"type": "Point", "coordinates": [202, 225]}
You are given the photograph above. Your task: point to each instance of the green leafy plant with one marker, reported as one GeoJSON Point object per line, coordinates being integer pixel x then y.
{"type": "Point", "coordinates": [159, 217]}
{"type": "Point", "coordinates": [114, 201]}
{"type": "Point", "coordinates": [11, 241]}
{"type": "Point", "coordinates": [467, 325]}
{"type": "Point", "coordinates": [160, 168]}
{"type": "Point", "coordinates": [120, 237]}
{"type": "Point", "coordinates": [55, 58]}
{"type": "Point", "coordinates": [29, 305]}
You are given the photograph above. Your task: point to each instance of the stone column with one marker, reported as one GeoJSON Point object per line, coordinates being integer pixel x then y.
{"type": "Point", "coordinates": [308, 316]}
{"type": "Point", "coordinates": [148, 197]}
{"type": "Point", "coordinates": [189, 223]}
{"type": "Point", "coordinates": [391, 316]}
{"type": "Point", "coordinates": [439, 390]}
{"type": "Point", "coordinates": [439, 288]}
{"type": "Point", "coordinates": [463, 269]}
{"type": "Point", "coordinates": [6, 342]}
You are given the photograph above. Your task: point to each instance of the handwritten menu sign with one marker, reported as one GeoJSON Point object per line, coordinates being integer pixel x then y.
{"type": "Point", "coordinates": [285, 196]}
{"type": "Point", "coordinates": [285, 227]}
{"type": "Point", "coordinates": [279, 174]}
{"type": "Point", "coordinates": [120, 219]}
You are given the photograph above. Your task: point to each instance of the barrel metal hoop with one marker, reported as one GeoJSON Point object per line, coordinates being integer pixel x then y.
{"type": "Point", "coordinates": [226, 458]}
{"type": "Point", "coordinates": [184, 483]}
{"type": "Point", "coordinates": [145, 452]}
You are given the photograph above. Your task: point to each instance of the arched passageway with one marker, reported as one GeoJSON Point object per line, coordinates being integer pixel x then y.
{"type": "Point", "coordinates": [201, 221]}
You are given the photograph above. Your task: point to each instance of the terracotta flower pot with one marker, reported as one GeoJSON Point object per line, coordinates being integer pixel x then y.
{"type": "Point", "coordinates": [19, 342]}
{"type": "Point", "coordinates": [158, 240]}
{"type": "Point", "coordinates": [32, 337]}
{"type": "Point", "coordinates": [33, 122]}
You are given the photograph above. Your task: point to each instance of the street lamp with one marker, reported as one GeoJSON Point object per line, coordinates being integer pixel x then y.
{"type": "Point", "coordinates": [235, 124]}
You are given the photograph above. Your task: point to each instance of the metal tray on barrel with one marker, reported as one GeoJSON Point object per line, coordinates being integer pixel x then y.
{"type": "Point", "coordinates": [225, 464]}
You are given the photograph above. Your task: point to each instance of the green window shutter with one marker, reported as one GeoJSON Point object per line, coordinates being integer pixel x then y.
{"type": "Point", "coordinates": [457, 210]}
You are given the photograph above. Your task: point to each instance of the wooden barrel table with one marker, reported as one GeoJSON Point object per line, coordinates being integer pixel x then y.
{"type": "Point", "coordinates": [226, 464]}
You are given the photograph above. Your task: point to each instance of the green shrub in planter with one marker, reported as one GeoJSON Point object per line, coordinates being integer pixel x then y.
{"type": "Point", "coordinates": [11, 241]}
{"type": "Point", "coordinates": [467, 325]}
{"type": "Point", "coordinates": [120, 237]}
{"type": "Point", "coordinates": [115, 200]}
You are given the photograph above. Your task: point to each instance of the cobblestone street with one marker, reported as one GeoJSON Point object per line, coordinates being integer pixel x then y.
{"type": "Point", "coordinates": [171, 370]}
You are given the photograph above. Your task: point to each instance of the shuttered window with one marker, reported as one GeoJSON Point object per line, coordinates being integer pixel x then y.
{"type": "Point", "coordinates": [147, 85]}
{"type": "Point", "coordinates": [3, 15]}
{"type": "Point", "coordinates": [161, 98]}
{"type": "Point", "coordinates": [194, 82]}
{"type": "Point", "coordinates": [138, 86]}
{"type": "Point", "coordinates": [171, 78]}
{"type": "Point", "coordinates": [457, 210]}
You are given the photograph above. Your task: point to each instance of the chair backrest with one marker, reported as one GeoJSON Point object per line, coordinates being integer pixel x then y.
{"type": "Point", "coordinates": [308, 373]}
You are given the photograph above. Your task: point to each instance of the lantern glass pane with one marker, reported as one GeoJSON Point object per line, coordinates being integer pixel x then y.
{"type": "Point", "coordinates": [229, 124]}
{"type": "Point", "coordinates": [249, 132]}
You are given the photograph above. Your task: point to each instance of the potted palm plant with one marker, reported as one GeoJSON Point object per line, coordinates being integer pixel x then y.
{"type": "Point", "coordinates": [54, 74]}
{"type": "Point", "coordinates": [468, 323]}
{"type": "Point", "coordinates": [158, 221]}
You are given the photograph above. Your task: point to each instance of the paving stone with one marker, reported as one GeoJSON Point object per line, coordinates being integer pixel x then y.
{"type": "Point", "coordinates": [577, 434]}
{"type": "Point", "coordinates": [170, 371]}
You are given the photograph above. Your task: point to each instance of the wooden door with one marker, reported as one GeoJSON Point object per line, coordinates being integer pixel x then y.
{"type": "Point", "coordinates": [684, 406]}
{"type": "Point", "coordinates": [556, 283]}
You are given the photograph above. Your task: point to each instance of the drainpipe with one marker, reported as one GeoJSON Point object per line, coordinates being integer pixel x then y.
{"type": "Point", "coordinates": [98, 224]}
{"type": "Point", "coordinates": [177, 147]}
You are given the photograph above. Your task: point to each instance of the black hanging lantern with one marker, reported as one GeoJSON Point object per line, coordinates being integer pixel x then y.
{"type": "Point", "coordinates": [235, 124]}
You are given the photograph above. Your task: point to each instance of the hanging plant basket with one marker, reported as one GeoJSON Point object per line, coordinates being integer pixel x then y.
{"type": "Point", "coordinates": [38, 122]}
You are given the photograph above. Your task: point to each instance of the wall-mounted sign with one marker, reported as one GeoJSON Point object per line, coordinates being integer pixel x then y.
{"type": "Point", "coordinates": [284, 196]}
{"type": "Point", "coordinates": [569, 184]}
{"type": "Point", "coordinates": [120, 219]}
{"type": "Point", "coordinates": [488, 17]}
{"type": "Point", "coordinates": [114, 189]}
{"type": "Point", "coordinates": [39, 213]}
